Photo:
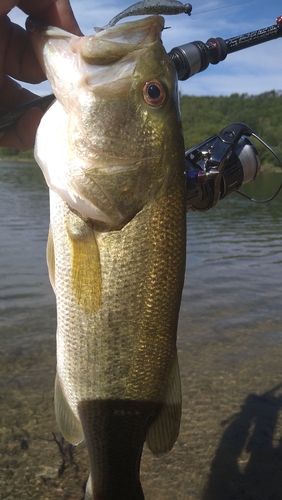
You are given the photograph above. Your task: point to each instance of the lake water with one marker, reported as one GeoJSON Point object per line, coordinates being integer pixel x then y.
{"type": "Point", "coordinates": [230, 351]}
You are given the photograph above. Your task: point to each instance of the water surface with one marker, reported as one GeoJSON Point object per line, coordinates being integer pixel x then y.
{"type": "Point", "coordinates": [230, 350]}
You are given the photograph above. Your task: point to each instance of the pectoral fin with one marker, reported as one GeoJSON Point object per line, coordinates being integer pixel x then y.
{"type": "Point", "coordinates": [86, 280]}
{"type": "Point", "coordinates": [165, 428]}
{"type": "Point", "coordinates": [68, 423]}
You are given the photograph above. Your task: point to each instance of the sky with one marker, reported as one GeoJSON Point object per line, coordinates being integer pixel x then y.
{"type": "Point", "coordinates": [250, 71]}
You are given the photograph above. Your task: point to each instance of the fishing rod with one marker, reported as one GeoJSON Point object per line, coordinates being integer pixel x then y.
{"type": "Point", "coordinates": [194, 57]}
{"type": "Point", "coordinates": [10, 117]}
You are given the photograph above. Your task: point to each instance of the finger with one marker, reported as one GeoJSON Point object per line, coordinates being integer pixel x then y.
{"type": "Point", "coordinates": [17, 57]}
{"type": "Point", "coordinates": [6, 6]}
{"type": "Point", "coordinates": [21, 62]}
{"type": "Point", "coordinates": [22, 137]}
{"type": "Point", "coordinates": [53, 12]}
{"type": "Point", "coordinates": [12, 94]}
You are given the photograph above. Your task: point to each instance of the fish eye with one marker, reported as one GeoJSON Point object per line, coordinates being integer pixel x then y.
{"type": "Point", "coordinates": [154, 93]}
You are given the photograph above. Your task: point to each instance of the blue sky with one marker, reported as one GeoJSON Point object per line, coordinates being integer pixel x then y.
{"type": "Point", "coordinates": [251, 71]}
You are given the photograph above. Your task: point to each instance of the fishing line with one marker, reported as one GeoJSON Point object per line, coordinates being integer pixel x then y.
{"type": "Point", "coordinates": [279, 163]}
{"type": "Point", "coordinates": [219, 8]}
{"type": "Point", "coordinates": [273, 147]}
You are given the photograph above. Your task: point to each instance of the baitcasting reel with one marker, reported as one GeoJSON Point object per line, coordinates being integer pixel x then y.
{"type": "Point", "coordinates": [221, 165]}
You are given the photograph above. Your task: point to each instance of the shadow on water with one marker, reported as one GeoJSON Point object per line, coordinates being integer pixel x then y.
{"type": "Point", "coordinates": [247, 464]}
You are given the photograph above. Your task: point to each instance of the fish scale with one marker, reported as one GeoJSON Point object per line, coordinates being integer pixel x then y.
{"type": "Point", "coordinates": [147, 257]}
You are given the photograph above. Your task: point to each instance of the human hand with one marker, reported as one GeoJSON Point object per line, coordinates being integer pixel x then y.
{"type": "Point", "coordinates": [18, 60]}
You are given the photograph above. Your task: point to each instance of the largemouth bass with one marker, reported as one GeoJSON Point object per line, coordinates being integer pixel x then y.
{"type": "Point", "coordinates": [112, 153]}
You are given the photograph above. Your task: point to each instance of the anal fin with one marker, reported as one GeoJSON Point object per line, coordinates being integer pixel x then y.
{"type": "Point", "coordinates": [50, 256]}
{"type": "Point", "coordinates": [68, 423]}
{"type": "Point", "coordinates": [88, 489]}
{"type": "Point", "coordinates": [164, 430]}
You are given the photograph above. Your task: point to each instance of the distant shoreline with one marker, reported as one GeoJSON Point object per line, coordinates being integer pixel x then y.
{"type": "Point", "coordinates": [17, 159]}
{"type": "Point", "coordinates": [268, 168]}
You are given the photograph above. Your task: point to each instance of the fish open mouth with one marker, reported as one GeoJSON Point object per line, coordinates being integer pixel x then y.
{"type": "Point", "coordinates": [104, 47]}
